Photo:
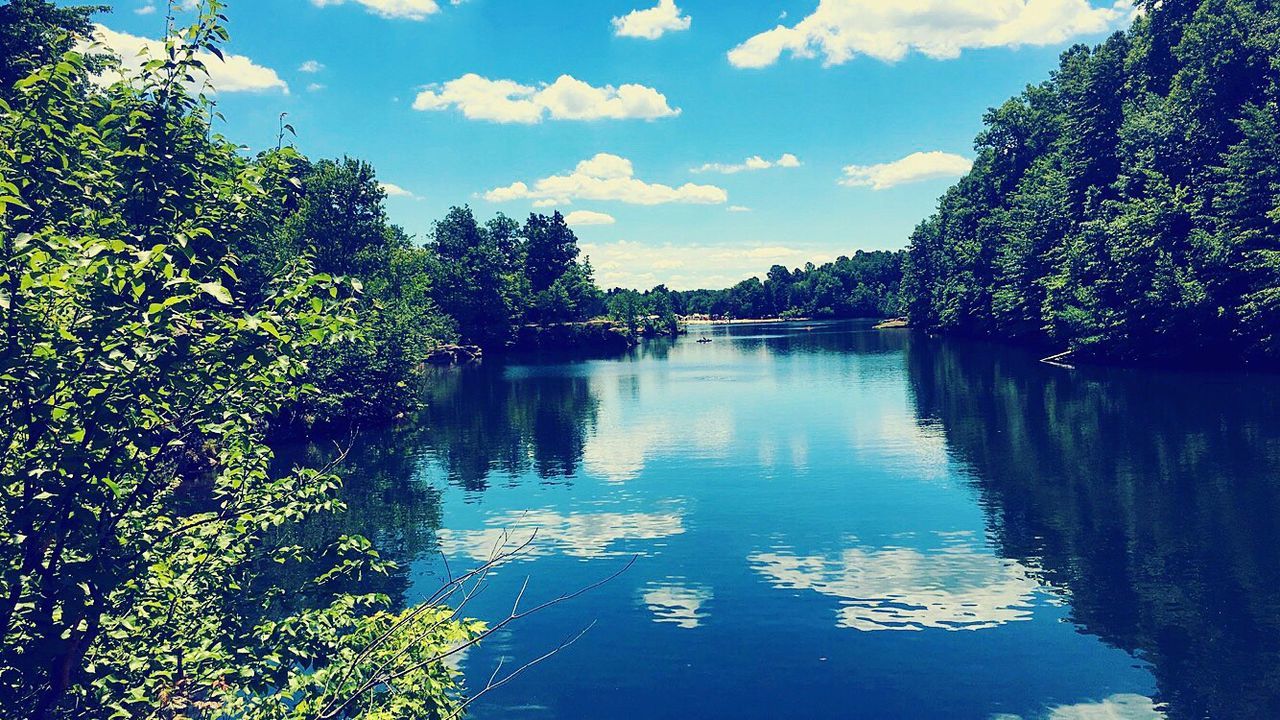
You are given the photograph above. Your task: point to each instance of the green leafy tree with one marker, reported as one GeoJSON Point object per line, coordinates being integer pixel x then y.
{"type": "Point", "coordinates": [36, 33]}
{"type": "Point", "coordinates": [137, 376]}
{"type": "Point", "coordinates": [340, 221]}
{"type": "Point", "coordinates": [572, 297]}
{"type": "Point", "coordinates": [626, 307]}
{"type": "Point", "coordinates": [1248, 232]}
{"type": "Point", "coordinates": [550, 249]}
{"type": "Point", "coordinates": [864, 285]}
{"type": "Point", "coordinates": [475, 286]}
{"type": "Point", "coordinates": [1124, 208]}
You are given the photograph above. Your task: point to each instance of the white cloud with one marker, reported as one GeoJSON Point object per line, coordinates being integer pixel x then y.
{"type": "Point", "coordinates": [755, 162]}
{"type": "Point", "coordinates": [400, 9]}
{"type": "Point", "coordinates": [147, 9]}
{"type": "Point", "coordinates": [606, 177]}
{"type": "Point", "coordinates": [840, 30]}
{"type": "Point", "coordinates": [234, 73]}
{"type": "Point", "coordinates": [311, 66]}
{"type": "Point", "coordinates": [587, 217]}
{"type": "Point", "coordinates": [482, 99]}
{"type": "Point", "coordinates": [653, 23]}
{"type": "Point", "coordinates": [393, 190]}
{"type": "Point", "coordinates": [316, 87]}
{"type": "Point", "coordinates": [954, 588]}
{"type": "Point", "coordinates": [507, 101]}
{"type": "Point", "coordinates": [916, 167]}
{"type": "Point", "coordinates": [739, 208]}
{"type": "Point", "coordinates": [637, 265]}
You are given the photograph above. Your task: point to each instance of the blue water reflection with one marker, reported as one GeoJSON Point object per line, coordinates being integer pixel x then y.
{"type": "Point", "coordinates": [835, 522]}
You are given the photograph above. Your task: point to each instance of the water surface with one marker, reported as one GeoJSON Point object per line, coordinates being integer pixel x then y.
{"type": "Point", "coordinates": [835, 522]}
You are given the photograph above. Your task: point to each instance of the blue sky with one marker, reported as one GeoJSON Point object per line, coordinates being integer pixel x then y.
{"type": "Point", "coordinates": [870, 105]}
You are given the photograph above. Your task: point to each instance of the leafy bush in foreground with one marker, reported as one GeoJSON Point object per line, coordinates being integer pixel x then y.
{"type": "Point", "coordinates": [138, 373]}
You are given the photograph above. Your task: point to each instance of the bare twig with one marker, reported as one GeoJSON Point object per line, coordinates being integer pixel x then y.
{"type": "Point", "coordinates": [496, 557]}
{"type": "Point", "coordinates": [491, 685]}
{"type": "Point", "coordinates": [381, 677]}
{"type": "Point", "coordinates": [514, 616]}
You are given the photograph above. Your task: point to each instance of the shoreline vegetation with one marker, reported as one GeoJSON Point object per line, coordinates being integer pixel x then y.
{"type": "Point", "coordinates": [741, 321]}
{"type": "Point", "coordinates": [171, 303]}
{"type": "Point", "coordinates": [171, 307]}
{"type": "Point", "coordinates": [1128, 207]}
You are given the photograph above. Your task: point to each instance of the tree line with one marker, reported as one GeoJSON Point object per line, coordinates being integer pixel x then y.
{"type": "Point", "coordinates": [1128, 207]}
{"type": "Point", "coordinates": [865, 285]}
{"type": "Point", "coordinates": [165, 301]}
{"type": "Point", "coordinates": [470, 282]}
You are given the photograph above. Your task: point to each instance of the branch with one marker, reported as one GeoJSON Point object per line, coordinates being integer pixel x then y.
{"type": "Point", "coordinates": [378, 678]}
{"type": "Point", "coordinates": [491, 685]}
{"type": "Point", "coordinates": [446, 591]}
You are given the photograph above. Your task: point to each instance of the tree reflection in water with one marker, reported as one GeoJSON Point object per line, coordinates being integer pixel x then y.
{"type": "Point", "coordinates": [1150, 501]}
{"type": "Point", "coordinates": [485, 419]}
{"type": "Point", "coordinates": [1152, 498]}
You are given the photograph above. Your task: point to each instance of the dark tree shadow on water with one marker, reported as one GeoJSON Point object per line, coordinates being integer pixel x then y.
{"type": "Point", "coordinates": [480, 421]}
{"type": "Point", "coordinates": [1153, 499]}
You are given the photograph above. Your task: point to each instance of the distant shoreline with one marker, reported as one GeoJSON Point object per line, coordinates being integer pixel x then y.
{"type": "Point", "coordinates": [745, 321]}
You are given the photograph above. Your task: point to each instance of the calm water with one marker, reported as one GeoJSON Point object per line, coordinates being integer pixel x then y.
{"type": "Point", "coordinates": [845, 523]}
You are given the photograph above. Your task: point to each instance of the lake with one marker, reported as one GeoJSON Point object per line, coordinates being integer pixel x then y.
{"type": "Point", "coordinates": [831, 521]}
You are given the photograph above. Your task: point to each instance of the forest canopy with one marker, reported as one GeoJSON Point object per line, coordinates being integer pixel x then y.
{"type": "Point", "coordinates": [1129, 206]}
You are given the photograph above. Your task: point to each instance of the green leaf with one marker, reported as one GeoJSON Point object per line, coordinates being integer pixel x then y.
{"type": "Point", "coordinates": [217, 291]}
{"type": "Point", "coordinates": [114, 487]}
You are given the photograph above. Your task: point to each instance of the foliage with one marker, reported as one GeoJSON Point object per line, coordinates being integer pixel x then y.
{"type": "Point", "coordinates": [472, 283]}
{"type": "Point", "coordinates": [626, 307]}
{"type": "Point", "coordinates": [138, 374]}
{"type": "Point", "coordinates": [341, 222]}
{"type": "Point", "coordinates": [1125, 208]}
{"type": "Point", "coordinates": [495, 277]}
{"type": "Point", "coordinates": [36, 33]}
{"type": "Point", "coordinates": [478, 282]}
{"type": "Point", "coordinates": [865, 285]}
{"type": "Point", "coordinates": [648, 313]}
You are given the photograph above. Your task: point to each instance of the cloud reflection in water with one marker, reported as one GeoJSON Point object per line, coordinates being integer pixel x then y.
{"type": "Point", "coordinates": [677, 603]}
{"type": "Point", "coordinates": [580, 535]}
{"type": "Point", "coordinates": [1117, 707]}
{"type": "Point", "coordinates": [953, 588]}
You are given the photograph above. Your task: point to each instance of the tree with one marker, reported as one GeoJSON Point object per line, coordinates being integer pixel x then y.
{"type": "Point", "coordinates": [1124, 208]}
{"type": "Point", "coordinates": [573, 297]}
{"type": "Point", "coordinates": [36, 33]}
{"type": "Point", "coordinates": [626, 307]}
{"type": "Point", "coordinates": [340, 220]}
{"type": "Point", "coordinates": [550, 249]}
{"type": "Point", "coordinates": [138, 500]}
{"type": "Point", "coordinates": [473, 286]}
{"type": "Point", "coordinates": [865, 285]}
{"type": "Point", "coordinates": [1248, 231]}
